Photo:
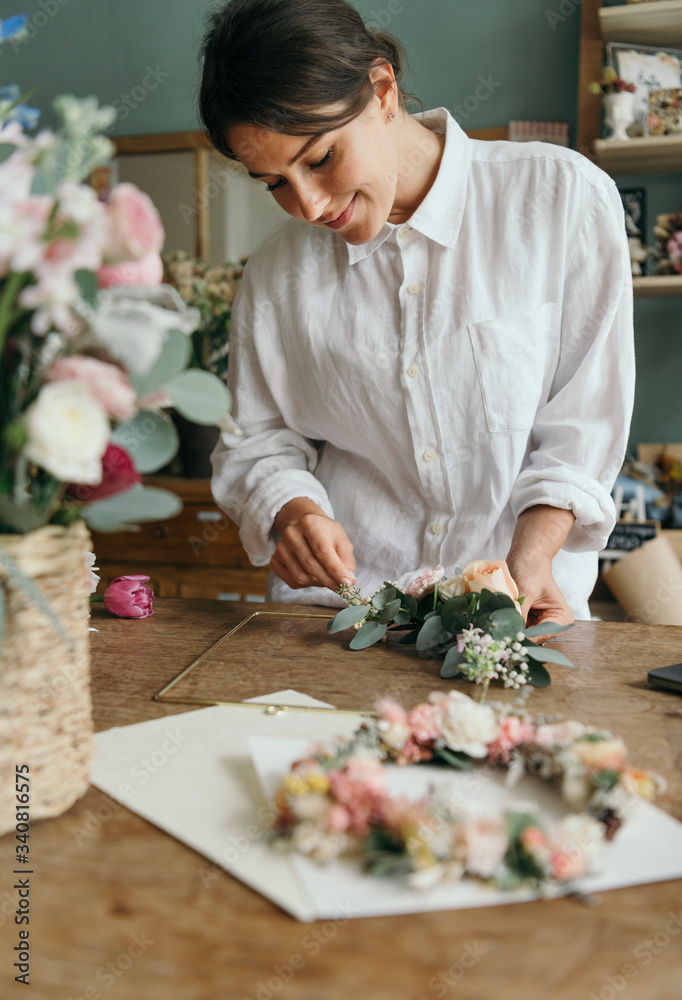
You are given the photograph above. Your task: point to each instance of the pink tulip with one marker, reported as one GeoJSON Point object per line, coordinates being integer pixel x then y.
{"type": "Point", "coordinates": [129, 597]}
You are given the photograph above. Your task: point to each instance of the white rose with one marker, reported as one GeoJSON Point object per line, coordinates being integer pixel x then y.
{"type": "Point", "coordinates": [454, 586]}
{"type": "Point", "coordinates": [68, 432]}
{"type": "Point", "coordinates": [466, 726]}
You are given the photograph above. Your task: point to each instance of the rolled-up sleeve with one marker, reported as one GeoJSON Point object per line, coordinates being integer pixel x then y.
{"type": "Point", "coordinates": [580, 434]}
{"type": "Point", "coordinates": [257, 472]}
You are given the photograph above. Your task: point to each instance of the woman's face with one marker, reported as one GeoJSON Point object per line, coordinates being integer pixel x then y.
{"type": "Point", "coordinates": [345, 180]}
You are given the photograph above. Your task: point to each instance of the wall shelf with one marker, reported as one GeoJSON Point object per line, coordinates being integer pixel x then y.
{"type": "Point", "coordinates": [654, 154]}
{"type": "Point", "coordinates": [657, 286]}
{"type": "Point", "coordinates": [655, 23]}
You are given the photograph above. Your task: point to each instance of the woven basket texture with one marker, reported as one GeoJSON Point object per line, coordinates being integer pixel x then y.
{"type": "Point", "coordinates": [45, 707]}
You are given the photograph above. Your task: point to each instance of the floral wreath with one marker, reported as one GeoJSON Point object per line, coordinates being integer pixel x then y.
{"type": "Point", "coordinates": [335, 802]}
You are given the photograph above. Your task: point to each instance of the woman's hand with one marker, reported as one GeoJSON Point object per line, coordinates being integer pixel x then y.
{"type": "Point", "coordinates": [313, 550]}
{"type": "Point", "coordinates": [540, 533]}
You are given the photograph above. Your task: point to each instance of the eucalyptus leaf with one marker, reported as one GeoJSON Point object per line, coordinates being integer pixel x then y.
{"type": "Point", "coordinates": [199, 396]}
{"type": "Point", "coordinates": [506, 622]}
{"type": "Point", "coordinates": [490, 600]}
{"type": "Point", "coordinates": [366, 636]}
{"type": "Point", "coordinates": [538, 676]}
{"type": "Point", "coordinates": [139, 503]}
{"type": "Point", "coordinates": [87, 285]}
{"type": "Point", "coordinates": [22, 517]}
{"type": "Point", "coordinates": [2, 616]}
{"type": "Point", "coordinates": [150, 438]}
{"type": "Point", "coordinates": [543, 654]}
{"type": "Point", "coordinates": [408, 608]}
{"type": "Point", "coordinates": [432, 633]}
{"type": "Point", "coordinates": [389, 612]}
{"type": "Point", "coordinates": [348, 617]}
{"type": "Point", "coordinates": [451, 663]}
{"type": "Point", "coordinates": [546, 628]}
{"type": "Point", "coordinates": [455, 759]}
{"type": "Point", "coordinates": [173, 359]}
{"type": "Point", "coordinates": [384, 596]}
{"type": "Point", "coordinates": [454, 609]}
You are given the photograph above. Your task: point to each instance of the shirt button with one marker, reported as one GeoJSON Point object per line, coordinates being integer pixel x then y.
{"type": "Point", "coordinates": [404, 232]}
{"type": "Point", "coordinates": [429, 455]}
{"type": "Point", "coordinates": [437, 528]}
{"type": "Point", "coordinates": [413, 371]}
{"type": "Point", "coordinates": [413, 288]}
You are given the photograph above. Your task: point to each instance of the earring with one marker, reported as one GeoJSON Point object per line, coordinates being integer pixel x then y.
{"type": "Point", "coordinates": [391, 116]}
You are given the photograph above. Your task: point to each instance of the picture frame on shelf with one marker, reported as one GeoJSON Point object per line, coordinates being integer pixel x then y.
{"type": "Point", "coordinates": [649, 67]}
{"type": "Point", "coordinates": [665, 111]}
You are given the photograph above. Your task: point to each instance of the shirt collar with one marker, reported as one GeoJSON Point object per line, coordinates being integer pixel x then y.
{"type": "Point", "coordinates": [439, 217]}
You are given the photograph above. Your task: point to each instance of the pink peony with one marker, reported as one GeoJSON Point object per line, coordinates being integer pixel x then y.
{"type": "Point", "coordinates": [118, 474]}
{"type": "Point", "coordinates": [512, 731]}
{"type": "Point", "coordinates": [424, 584]}
{"type": "Point", "coordinates": [106, 383]}
{"type": "Point", "coordinates": [135, 225]}
{"type": "Point", "coordinates": [129, 597]}
{"type": "Point", "coordinates": [148, 271]}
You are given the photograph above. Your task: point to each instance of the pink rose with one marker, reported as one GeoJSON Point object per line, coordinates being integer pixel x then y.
{"type": "Point", "coordinates": [118, 474]}
{"type": "Point", "coordinates": [106, 383]}
{"type": "Point", "coordinates": [481, 574]}
{"type": "Point", "coordinates": [424, 584]}
{"type": "Point", "coordinates": [129, 597]}
{"type": "Point", "coordinates": [147, 271]}
{"type": "Point", "coordinates": [135, 225]}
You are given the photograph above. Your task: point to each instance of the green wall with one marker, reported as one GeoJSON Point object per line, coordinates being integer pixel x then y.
{"type": "Point", "coordinates": [140, 55]}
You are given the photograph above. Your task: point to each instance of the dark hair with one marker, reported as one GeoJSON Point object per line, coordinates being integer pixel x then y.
{"type": "Point", "coordinates": [275, 63]}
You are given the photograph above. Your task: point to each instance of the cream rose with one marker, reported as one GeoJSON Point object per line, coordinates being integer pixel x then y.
{"type": "Point", "coordinates": [467, 726]}
{"type": "Point", "coordinates": [481, 574]}
{"type": "Point", "coordinates": [601, 755]}
{"type": "Point", "coordinates": [454, 586]}
{"type": "Point", "coordinates": [68, 432]}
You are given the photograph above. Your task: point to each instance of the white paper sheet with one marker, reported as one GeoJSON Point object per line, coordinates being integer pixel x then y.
{"type": "Point", "coordinates": [192, 775]}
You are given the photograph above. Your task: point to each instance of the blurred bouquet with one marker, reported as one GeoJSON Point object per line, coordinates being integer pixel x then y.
{"type": "Point", "coordinates": [668, 251]}
{"type": "Point", "coordinates": [93, 347]}
{"type": "Point", "coordinates": [211, 290]}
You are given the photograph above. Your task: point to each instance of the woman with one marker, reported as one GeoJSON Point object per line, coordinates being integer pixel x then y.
{"type": "Point", "coordinates": [433, 361]}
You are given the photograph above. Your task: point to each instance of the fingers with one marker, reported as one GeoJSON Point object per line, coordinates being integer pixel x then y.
{"type": "Point", "coordinates": [314, 552]}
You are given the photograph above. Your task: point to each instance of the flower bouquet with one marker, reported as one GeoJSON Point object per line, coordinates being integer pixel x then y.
{"type": "Point", "coordinates": [93, 349]}
{"type": "Point", "coordinates": [473, 619]}
{"type": "Point", "coordinates": [336, 801]}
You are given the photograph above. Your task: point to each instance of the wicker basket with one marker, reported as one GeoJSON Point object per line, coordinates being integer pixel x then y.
{"type": "Point", "coordinates": [45, 708]}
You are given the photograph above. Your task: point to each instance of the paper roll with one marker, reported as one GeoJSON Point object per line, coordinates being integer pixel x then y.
{"type": "Point", "coordinates": [647, 583]}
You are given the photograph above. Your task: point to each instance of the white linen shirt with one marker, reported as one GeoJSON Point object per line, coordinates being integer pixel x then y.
{"type": "Point", "coordinates": [428, 386]}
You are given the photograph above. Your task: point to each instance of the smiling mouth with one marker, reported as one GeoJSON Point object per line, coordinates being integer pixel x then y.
{"type": "Point", "coordinates": [344, 218]}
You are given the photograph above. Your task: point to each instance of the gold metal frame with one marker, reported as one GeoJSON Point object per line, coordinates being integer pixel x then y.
{"type": "Point", "coordinates": [267, 709]}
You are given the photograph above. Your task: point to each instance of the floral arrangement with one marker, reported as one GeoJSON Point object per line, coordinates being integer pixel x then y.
{"type": "Point", "coordinates": [93, 347]}
{"type": "Point", "coordinates": [336, 801]}
{"type": "Point", "coordinates": [610, 83]}
{"type": "Point", "coordinates": [211, 290]}
{"type": "Point", "coordinates": [473, 619]}
{"type": "Point", "coordinates": [668, 250]}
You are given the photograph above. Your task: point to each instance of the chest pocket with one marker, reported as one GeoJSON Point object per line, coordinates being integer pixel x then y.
{"type": "Point", "coordinates": [515, 358]}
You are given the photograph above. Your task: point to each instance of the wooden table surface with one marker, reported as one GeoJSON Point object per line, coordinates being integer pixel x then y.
{"type": "Point", "coordinates": [122, 910]}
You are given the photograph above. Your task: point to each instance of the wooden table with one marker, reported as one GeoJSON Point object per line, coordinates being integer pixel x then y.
{"type": "Point", "coordinates": [122, 910]}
